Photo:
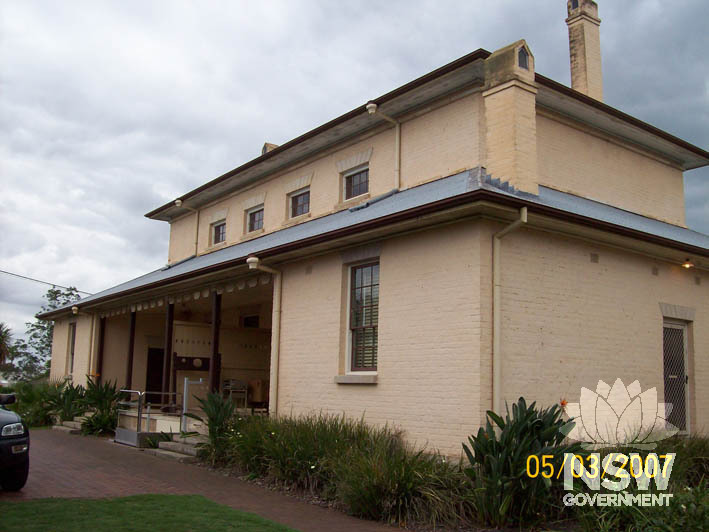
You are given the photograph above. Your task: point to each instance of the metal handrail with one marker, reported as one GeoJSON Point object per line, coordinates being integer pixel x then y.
{"type": "Point", "coordinates": [140, 403]}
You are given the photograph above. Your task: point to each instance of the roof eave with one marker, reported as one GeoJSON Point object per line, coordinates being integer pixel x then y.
{"type": "Point", "coordinates": [477, 55]}
{"type": "Point", "coordinates": [619, 124]}
{"type": "Point", "coordinates": [448, 203]}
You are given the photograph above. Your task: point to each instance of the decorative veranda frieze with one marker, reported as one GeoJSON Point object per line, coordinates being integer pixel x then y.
{"type": "Point", "coordinates": [191, 295]}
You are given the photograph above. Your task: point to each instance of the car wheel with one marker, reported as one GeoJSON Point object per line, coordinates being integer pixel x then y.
{"type": "Point", "coordinates": [15, 478]}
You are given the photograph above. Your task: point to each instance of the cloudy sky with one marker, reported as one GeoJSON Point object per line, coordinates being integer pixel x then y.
{"type": "Point", "coordinates": [109, 109]}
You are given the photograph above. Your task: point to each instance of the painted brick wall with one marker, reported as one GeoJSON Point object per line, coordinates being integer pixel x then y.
{"type": "Point", "coordinates": [436, 143]}
{"type": "Point", "coordinates": [568, 322]}
{"type": "Point", "coordinates": [575, 161]}
{"type": "Point", "coordinates": [429, 366]}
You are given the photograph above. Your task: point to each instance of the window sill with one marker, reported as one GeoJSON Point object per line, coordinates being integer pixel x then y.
{"type": "Point", "coordinates": [346, 204]}
{"type": "Point", "coordinates": [296, 219]}
{"type": "Point", "coordinates": [356, 379]}
{"type": "Point", "coordinates": [252, 234]}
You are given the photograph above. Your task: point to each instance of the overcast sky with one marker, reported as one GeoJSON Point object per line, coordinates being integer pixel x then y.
{"type": "Point", "coordinates": [110, 109]}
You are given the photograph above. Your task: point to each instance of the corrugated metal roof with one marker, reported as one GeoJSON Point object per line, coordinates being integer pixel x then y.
{"type": "Point", "coordinates": [397, 202]}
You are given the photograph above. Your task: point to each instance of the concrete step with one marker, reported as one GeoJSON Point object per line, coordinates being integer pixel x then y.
{"type": "Point", "coordinates": [171, 455]}
{"type": "Point", "coordinates": [183, 448]}
{"type": "Point", "coordinates": [190, 440]}
{"type": "Point", "coordinates": [72, 424]}
{"type": "Point", "coordinates": [79, 419]}
{"type": "Point", "coordinates": [68, 430]}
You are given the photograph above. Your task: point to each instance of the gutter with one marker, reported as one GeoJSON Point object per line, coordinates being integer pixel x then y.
{"type": "Point", "coordinates": [576, 95]}
{"type": "Point", "coordinates": [255, 264]}
{"type": "Point", "coordinates": [497, 309]}
{"type": "Point", "coordinates": [479, 54]}
{"type": "Point", "coordinates": [461, 199]}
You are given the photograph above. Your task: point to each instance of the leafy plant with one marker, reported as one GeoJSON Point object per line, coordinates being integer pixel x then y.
{"type": "Point", "coordinates": [35, 400]}
{"type": "Point", "coordinates": [503, 492]}
{"type": "Point", "coordinates": [70, 402]}
{"type": "Point", "coordinates": [102, 400]}
{"type": "Point", "coordinates": [153, 442]}
{"type": "Point", "coordinates": [219, 414]}
{"type": "Point", "coordinates": [393, 483]}
{"type": "Point", "coordinates": [369, 470]}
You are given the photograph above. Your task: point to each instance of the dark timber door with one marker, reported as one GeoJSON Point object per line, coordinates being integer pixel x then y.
{"type": "Point", "coordinates": [153, 380]}
{"type": "Point", "coordinates": [676, 380]}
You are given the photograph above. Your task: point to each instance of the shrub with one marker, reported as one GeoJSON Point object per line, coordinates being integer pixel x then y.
{"type": "Point", "coordinates": [503, 492]}
{"type": "Point", "coordinates": [102, 399]}
{"type": "Point", "coordinates": [688, 510]}
{"type": "Point", "coordinates": [69, 403]}
{"type": "Point", "coordinates": [219, 413]}
{"type": "Point", "coordinates": [35, 400]}
{"type": "Point", "coordinates": [369, 470]}
{"type": "Point", "coordinates": [391, 482]}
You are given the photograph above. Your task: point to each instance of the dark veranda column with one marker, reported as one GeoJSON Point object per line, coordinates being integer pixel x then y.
{"type": "Point", "coordinates": [167, 351]}
{"type": "Point", "coordinates": [216, 325]}
{"type": "Point", "coordinates": [131, 345]}
{"type": "Point", "coordinates": [101, 342]}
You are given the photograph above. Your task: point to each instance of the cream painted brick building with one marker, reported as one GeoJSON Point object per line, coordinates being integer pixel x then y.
{"type": "Point", "coordinates": [360, 268]}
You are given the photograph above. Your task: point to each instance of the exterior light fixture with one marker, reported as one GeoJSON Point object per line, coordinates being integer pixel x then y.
{"type": "Point", "coordinates": [687, 263]}
{"type": "Point", "coordinates": [74, 310]}
{"type": "Point", "coordinates": [178, 203]}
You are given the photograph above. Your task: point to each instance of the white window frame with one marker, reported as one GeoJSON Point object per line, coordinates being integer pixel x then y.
{"type": "Point", "coordinates": [350, 172]}
{"type": "Point", "coordinates": [348, 361]}
{"type": "Point", "coordinates": [247, 214]}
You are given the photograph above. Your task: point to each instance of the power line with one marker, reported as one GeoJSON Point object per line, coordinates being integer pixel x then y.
{"type": "Point", "coordinates": [55, 285]}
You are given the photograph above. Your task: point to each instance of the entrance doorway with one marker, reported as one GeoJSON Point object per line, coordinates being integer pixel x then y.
{"type": "Point", "coordinates": [675, 358]}
{"type": "Point", "coordinates": [153, 379]}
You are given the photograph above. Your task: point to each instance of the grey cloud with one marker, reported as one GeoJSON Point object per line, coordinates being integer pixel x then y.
{"type": "Point", "coordinates": [109, 109]}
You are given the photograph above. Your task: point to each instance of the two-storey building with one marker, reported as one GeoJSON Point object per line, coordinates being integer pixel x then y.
{"type": "Point", "coordinates": [479, 234]}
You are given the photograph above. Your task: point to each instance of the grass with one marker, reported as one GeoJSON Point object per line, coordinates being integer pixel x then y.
{"type": "Point", "coordinates": [136, 513]}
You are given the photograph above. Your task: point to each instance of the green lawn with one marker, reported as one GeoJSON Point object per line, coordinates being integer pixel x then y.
{"type": "Point", "coordinates": [174, 513]}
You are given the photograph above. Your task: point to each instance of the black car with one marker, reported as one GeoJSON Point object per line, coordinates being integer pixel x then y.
{"type": "Point", "coordinates": [14, 447]}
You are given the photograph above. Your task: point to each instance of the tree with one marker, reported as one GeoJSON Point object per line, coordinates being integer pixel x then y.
{"type": "Point", "coordinates": [29, 359]}
{"type": "Point", "coordinates": [5, 342]}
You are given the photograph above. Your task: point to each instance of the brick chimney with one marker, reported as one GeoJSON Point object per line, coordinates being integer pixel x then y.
{"type": "Point", "coordinates": [585, 47]}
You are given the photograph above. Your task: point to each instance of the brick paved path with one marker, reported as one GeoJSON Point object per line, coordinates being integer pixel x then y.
{"type": "Point", "coordinates": [64, 465]}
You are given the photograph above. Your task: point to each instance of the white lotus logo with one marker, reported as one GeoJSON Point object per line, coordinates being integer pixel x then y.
{"type": "Point", "coordinates": [619, 416]}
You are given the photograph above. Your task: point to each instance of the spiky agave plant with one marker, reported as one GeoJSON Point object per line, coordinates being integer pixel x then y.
{"type": "Point", "coordinates": [219, 418]}
{"type": "Point", "coordinates": [102, 399]}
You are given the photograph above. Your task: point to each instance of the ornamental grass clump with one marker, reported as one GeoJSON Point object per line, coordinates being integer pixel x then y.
{"type": "Point", "coordinates": [389, 481]}
{"type": "Point", "coordinates": [504, 493]}
{"type": "Point", "coordinates": [369, 471]}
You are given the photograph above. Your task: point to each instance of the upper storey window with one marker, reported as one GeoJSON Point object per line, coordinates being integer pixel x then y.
{"type": "Point", "coordinates": [300, 203]}
{"type": "Point", "coordinates": [356, 183]}
{"type": "Point", "coordinates": [254, 219]}
{"type": "Point", "coordinates": [218, 232]}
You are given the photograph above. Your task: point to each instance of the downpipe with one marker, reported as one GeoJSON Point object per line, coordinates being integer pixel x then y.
{"type": "Point", "coordinates": [497, 308]}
